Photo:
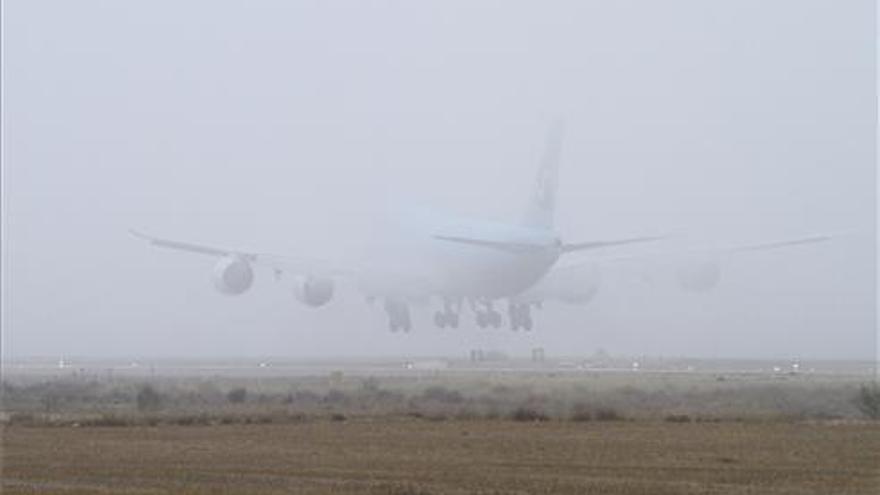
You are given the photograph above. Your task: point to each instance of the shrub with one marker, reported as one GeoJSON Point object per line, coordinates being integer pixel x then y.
{"type": "Point", "coordinates": [528, 414]}
{"type": "Point", "coordinates": [237, 395]}
{"type": "Point", "coordinates": [370, 384]}
{"type": "Point", "coordinates": [148, 399]}
{"type": "Point", "coordinates": [22, 418]}
{"type": "Point", "coordinates": [336, 397]}
{"type": "Point", "coordinates": [108, 420]}
{"type": "Point", "coordinates": [608, 414]}
{"type": "Point", "coordinates": [678, 418]}
{"type": "Point", "coordinates": [443, 394]}
{"type": "Point", "coordinates": [868, 400]}
{"type": "Point", "coordinates": [581, 414]}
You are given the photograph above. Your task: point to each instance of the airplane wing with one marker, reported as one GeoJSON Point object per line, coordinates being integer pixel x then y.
{"type": "Point", "coordinates": [577, 281]}
{"type": "Point", "coordinates": [762, 246]}
{"type": "Point", "coordinates": [279, 263]}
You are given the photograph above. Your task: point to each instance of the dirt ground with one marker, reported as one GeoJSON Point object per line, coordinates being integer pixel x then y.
{"type": "Point", "coordinates": [413, 456]}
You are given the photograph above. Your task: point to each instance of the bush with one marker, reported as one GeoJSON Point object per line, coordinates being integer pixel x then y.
{"type": "Point", "coordinates": [678, 418]}
{"type": "Point", "coordinates": [336, 397]}
{"type": "Point", "coordinates": [22, 418]}
{"type": "Point", "coordinates": [443, 394]}
{"type": "Point", "coordinates": [581, 414]}
{"type": "Point", "coordinates": [528, 414]}
{"type": "Point", "coordinates": [868, 400]}
{"type": "Point", "coordinates": [108, 420]}
{"type": "Point", "coordinates": [191, 420]}
{"type": "Point", "coordinates": [608, 414]}
{"type": "Point", "coordinates": [148, 399]}
{"type": "Point", "coordinates": [237, 395]}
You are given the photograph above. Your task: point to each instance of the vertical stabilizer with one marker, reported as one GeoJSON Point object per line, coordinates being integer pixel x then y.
{"type": "Point", "coordinates": [541, 207]}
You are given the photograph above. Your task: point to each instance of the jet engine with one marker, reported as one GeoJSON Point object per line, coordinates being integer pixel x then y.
{"type": "Point", "coordinates": [313, 291]}
{"type": "Point", "coordinates": [699, 275]}
{"type": "Point", "coordinates": [581, 286]}
{"type": "Point", "coordinates": [572, 285]}
{"type": "Point", "coordinates": [233, 275]}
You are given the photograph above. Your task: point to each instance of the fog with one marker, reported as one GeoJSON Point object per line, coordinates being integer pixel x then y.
{"type": "Point", "coordinates": [296, 127]}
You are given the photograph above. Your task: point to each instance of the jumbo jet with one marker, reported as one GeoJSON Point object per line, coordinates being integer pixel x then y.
{"type": "Point", "coordinates": [459, 262]}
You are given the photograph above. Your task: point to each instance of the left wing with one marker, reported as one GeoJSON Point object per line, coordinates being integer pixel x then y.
{"type": "Point", "coordinates": [577, 281]}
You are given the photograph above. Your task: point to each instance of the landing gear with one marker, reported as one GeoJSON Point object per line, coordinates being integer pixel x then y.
{"type": "Point", "coordinates": [486, 315]}
{"type": "Point", "coordinates": [398, 315]}
{"type": "Point", "coordinates": [449, 315]}
{"type": "Point", "coordinates": [520, 316]}
{"type": "Point", "coordinates": [443, 319]}
{"type": "Point", "coordinates": [489, 319]}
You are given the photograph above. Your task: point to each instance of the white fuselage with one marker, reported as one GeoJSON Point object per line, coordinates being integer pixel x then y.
{"type": "Point", "coordinates": [424, 264]}
{"type": "Point", "coordinates": [477, 271]}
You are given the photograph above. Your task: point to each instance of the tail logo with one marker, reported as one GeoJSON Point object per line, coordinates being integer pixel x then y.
{"type": "Point", "coordinates": [544, 190]}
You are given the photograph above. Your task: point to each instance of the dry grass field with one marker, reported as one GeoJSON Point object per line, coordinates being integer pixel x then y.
{"type": "Point", "coordinates": [381, 430]}
{"type": "Point", "coordinates": [398, 455]}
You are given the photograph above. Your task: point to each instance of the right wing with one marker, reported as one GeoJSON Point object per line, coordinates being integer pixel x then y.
{"type": "Point", "coordinates": [278, 263]}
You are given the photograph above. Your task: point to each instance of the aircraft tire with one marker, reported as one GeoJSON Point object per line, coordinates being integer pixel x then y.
{"type": "Point", "coordinates": [482, 320]}
{"type": "Point", "coordinates": [495, 319]}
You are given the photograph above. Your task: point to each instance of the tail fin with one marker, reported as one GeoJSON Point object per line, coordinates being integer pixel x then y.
{"type": "Point", "coordinates": [541, 207]}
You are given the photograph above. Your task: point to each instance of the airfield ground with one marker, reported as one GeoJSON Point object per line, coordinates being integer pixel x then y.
{"type": "Point", "coordinates": [410, 456]}
{"type": "Point", "coordinates": [389, 429]}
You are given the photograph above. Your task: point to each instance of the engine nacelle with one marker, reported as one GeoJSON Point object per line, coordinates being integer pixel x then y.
{"type": "Point", "coordinates": [575, 285]}
{"type": "Point", "coordinates": [233, 275]}
{"type": "Point", "coordinates": [314, 291]}
{"type": "Point", "coordinates": [699, 275]}
{"type": "Point", "coordinates": [581, 285]}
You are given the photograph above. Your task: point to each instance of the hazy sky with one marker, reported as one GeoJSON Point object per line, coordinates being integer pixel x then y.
{"type": "Point", "coordinates": [288, 126]}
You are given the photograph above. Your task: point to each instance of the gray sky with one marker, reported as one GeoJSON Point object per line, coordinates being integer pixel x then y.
{"type": "Point", "coordinates": [287, 126]}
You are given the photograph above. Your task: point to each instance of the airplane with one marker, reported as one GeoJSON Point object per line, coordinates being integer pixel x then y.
{"type": "Point", "coordinates": [458, 262]}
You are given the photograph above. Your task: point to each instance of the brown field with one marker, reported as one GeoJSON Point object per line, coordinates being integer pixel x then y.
{"type": "Point", "coordinates": [400, 455]}
{"type": "Point", "coordinates": [382, 429]}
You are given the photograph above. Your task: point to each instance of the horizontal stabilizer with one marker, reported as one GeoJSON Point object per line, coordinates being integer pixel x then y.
{"type": "Point", "coordinates": [521, 247]}
{"type": "Point", "coordinates": [508, 247]}
{"type": "Point", "coordinates": [586, 246]}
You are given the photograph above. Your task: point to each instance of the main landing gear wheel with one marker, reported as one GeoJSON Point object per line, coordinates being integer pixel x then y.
{"type": "Point", "coordinates": [487, 317]}
{"type": "Point", "coordinates": [448, 316]}
{"type": "Point", "coordinates": [443, 319]}
{"type": "Point", "coordinates": [398, 316]}
{"type": "Point", "coordinates": [520, 317]}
